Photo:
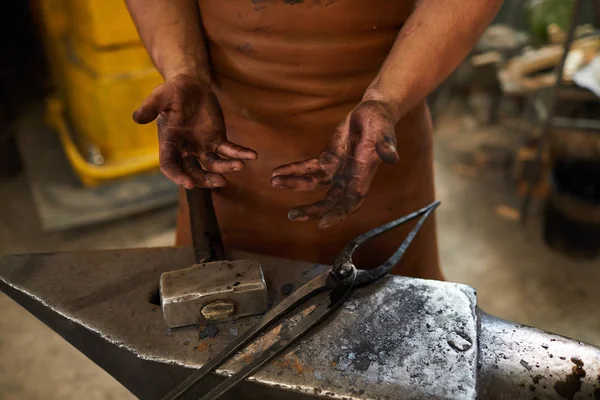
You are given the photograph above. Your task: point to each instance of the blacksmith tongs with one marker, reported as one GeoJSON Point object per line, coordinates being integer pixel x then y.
{"type": "Point", "coordinates": [331, 288]}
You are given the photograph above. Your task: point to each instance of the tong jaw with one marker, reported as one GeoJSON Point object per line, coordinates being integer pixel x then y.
{"type": "Point", "coordinates": [365, 277]}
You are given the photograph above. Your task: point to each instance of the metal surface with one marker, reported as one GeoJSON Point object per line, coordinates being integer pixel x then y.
{"type": "Point", "coordinates": [201, 293]}
{"type": "Point", "coordinates": [398, 335]}
{"type": "Point", "coordinates": [519, 362]}
{"type": "Point", "coordinates": [339, 281]}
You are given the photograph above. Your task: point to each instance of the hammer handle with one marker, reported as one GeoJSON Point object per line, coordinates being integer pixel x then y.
{"type": "Point", "coordinates": [206, 236]}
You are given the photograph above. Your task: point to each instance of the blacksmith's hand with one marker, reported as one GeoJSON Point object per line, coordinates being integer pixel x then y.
{"type": "Point", "coordinates": [193, 145]}
{"type": "Point", "coordinates": [346, 167]}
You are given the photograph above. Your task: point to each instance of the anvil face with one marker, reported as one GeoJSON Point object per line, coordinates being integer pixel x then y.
{"type": "Point", "coordinates": [399, 338]}
{"type": "Point", "coordinates": [388, 338]}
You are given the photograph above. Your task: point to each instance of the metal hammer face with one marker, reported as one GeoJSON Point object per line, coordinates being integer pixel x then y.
{"type": "Point", "coordinates": [213, 292]}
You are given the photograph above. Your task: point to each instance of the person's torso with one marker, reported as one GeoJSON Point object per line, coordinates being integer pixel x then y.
{"type": "Point", "coordinates": [282, 59]}
{"type": "Point", "coordinates": [286, 73]}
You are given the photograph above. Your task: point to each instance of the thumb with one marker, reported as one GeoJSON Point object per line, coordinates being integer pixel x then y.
{"type": "Point", "coordinates": [386, 147]}
{"type": "Point", "coordinates": [151, 107]}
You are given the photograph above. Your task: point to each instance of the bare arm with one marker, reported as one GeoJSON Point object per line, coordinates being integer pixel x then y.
{"type": "Point", "coordinates": [193, 145]}
{"type": "Point", "coordinates": [172, 34]}
{"type": "Point", "coordinates": [434, 40]}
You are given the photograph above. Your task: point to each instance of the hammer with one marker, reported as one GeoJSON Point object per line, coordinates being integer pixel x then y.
{"type": "Point", "coordinates": [213, 289]}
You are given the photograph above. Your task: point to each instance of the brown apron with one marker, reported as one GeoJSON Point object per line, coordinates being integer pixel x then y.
{"type": "Point", "coordinates": [286, 73]}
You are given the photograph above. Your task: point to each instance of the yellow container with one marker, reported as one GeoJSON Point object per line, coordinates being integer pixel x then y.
{"type": "Point", "coordinates": [89, 173]}
{"type": "Point", "coordinates": [102, 74]}
{"type": "Point", "coordinates": [98, 110]}
{"type": "Point", "coordinates": [102, 23]}
{"type": "Point", "coordinates": [119, 60]}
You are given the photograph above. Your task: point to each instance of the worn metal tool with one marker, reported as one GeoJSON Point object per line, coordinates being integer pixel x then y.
{"type": "Point", "coordinates": [399, 337]}
{"type": "Point", "coordinates": [331, 289]}
{"type": "Point", "coordinates": [214, 289]}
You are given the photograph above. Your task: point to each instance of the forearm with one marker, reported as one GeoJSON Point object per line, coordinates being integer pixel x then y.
{"type": "Point", "coordinates": [171, 32]}
{"type": "Point", "coordinates": [434, 40]}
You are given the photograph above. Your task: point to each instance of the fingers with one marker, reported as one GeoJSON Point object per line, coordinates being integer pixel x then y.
{"type": "Point", "coordinates": [186, 172]}
{"type": "Point", "coordinates": [151, 107]}
{"type": "Point", "coordinates": [318, 209]}
{"type": "Point", "coordinates": [311, 211]}
{"type": "Point", "coordinates": [213, 163]}
{"type": "Point", "coordinates": [192, 167]}
{"type": "Point", "coordinates": [306, 167]}
{"type": "Point", "coordinates": [343, 199]}
{"type": "Point", "coordinates": [372, 122]}
{"type": "Point", "coordinates": [303, 183]}
{"type": "Point", "coordinates": [232, 150]}
{"type": "Point", "coordinates": [170, 166]}
{"type": "Point", "coordinates": [302, 176]}
{"type": "Point", "coordinates": [357, 184]}
{"type": "Point", "coordinates": [386, 149]}
{"type": "Point", "coordinates": [349, 204]}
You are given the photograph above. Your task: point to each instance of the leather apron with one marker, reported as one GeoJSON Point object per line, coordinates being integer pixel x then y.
{"type": "Point", "coordinates": [286, 73]}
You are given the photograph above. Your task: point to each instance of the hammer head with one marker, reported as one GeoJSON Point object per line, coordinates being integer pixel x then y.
{"type": "Point", "coordinates": [213, 292]}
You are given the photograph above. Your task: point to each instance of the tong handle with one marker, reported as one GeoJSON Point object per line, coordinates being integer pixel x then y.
{"type": "Point", "coordinates": [310, 289]}
{"type": "Point", "coordinates": [329, 302]}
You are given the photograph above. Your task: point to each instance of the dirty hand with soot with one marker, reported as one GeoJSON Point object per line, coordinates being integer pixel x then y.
{"type": "Point", "coordinates": [193, 145]}
{"type": "Point", "coordinates": [364, 140]}
{"type": "Point", "coordinates": [432, 42]}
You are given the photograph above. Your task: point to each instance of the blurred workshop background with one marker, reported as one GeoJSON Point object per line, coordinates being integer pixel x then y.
{"type": "Point", "coordinates": [517, 168]}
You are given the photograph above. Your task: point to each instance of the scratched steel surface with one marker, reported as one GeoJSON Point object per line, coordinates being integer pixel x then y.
{"type": "Point", "coordinates": [402, 336]}
{"type": "Point", "coordinates": [520, 362]}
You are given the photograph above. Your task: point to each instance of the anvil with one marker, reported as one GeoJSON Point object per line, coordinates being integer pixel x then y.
{"type": "Point", "coordinates": [399, 338]}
